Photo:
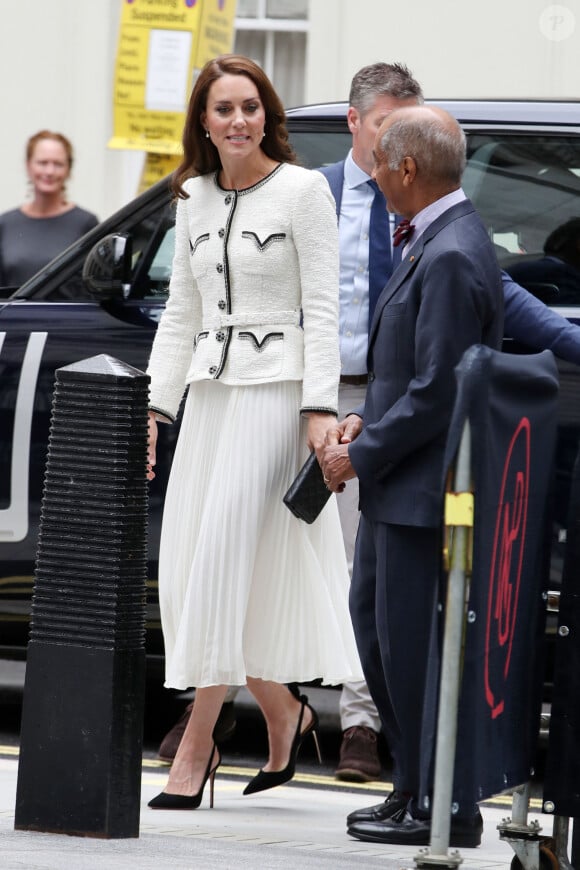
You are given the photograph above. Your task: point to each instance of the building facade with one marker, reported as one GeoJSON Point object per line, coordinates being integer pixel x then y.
{"type": "Point", "coordinates": [57, 64]}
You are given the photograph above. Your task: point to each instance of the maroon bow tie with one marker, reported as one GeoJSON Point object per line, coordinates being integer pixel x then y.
{"type": "Point", "coordinates": [403, 233]}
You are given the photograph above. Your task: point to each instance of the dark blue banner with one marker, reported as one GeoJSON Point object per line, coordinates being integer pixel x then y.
{"type": "Point", "coordinates": [510, 403]}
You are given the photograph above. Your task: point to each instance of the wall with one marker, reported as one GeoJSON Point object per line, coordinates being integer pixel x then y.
{"type": "Point", "coordinates": [57, 63]}
{"type": "Point", "coordinates": [456, 48]}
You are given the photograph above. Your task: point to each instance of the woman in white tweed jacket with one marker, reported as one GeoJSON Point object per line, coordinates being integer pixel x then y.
{"type": "Point", "coordinates": [249, 594]}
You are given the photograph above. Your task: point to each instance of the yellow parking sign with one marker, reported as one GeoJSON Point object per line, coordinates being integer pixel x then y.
{"type": "Point", "coordinates": [162, 44]}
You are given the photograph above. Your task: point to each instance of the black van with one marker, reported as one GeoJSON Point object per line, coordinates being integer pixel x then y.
{"type": "Point", "coordinates": [523, 175]}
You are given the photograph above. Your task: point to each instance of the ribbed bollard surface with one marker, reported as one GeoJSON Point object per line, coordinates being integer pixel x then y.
{"type": "Point", "coordinates": [82, 718]}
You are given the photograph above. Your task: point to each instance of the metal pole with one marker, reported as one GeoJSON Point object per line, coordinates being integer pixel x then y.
{"type": "Point", "coordinates": [521, 805]}
{"type": "Point", "coordinates": [450, 666]}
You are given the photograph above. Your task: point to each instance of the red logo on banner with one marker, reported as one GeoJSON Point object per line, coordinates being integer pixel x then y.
{"type": "Point", "coordinates": [506, 565]}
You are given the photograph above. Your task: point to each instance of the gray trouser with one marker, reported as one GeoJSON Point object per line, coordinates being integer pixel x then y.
{"type": "Point", "coordinates": [356, 704]}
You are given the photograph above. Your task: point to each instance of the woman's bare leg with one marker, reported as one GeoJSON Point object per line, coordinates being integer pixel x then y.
{"type": "Point", "coordinates": [193, 754]}
{"type": "Point", "coordinates": [281, 711]}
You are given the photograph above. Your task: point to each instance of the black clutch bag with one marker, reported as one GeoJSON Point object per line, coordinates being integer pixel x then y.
{"type": "Point", "coordinates": [308, 493]}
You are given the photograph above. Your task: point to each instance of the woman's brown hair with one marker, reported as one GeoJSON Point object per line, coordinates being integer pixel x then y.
{"type": "Point", "coordinates": [56, 137]}
{"type": "Point", "coordinates": [200, 155]}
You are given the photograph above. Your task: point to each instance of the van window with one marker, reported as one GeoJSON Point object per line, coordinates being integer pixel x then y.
{"type": "Point", "coordinates": [160, 269]}
{"type": "Point", "coordinates": [317, 148]}
{"type": "Point", "coordinates": [526, 188]}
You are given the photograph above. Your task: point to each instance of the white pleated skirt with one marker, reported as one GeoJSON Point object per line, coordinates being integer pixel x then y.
{"type": "Point", "coordinates": [245, 588]}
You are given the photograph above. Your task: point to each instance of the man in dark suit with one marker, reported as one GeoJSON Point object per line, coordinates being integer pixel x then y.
{"type": "Point", "coordinates": [366, 264]}
{"type": "Point", "coordinates": [367, 260]}
{"type": "Point", "coordinates": [445, 296]}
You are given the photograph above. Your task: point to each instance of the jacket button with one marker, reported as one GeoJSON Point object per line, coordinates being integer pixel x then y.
{"type": "Point", "coordinates": [228, 199]}
{"type": "Point", "coordinates": [212, 370]}
{"type": "Point", "coordinates": [219, 267]}
{"type": "Point", "coordinates": [220, 336]}
{"type": "Point", "coordinates": [221, 304]}
{"type": "Point", "coordinates": [371, 377]}
{"type": "Point", "coordinates": [221, 233]}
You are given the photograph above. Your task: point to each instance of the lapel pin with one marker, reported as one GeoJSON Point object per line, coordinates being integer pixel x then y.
{"type": "Point", "coordinates": [411, 258]}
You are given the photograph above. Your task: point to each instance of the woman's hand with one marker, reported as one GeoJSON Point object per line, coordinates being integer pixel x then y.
{"type": "Point", "coordinates": [152, 445]}
{"type": "Point", "coordinates": [318, 425]}
{"type": "Point", "coordinates": [345, 431]}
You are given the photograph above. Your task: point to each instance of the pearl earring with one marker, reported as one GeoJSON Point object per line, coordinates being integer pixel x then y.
{"type": "Point", "coordinates": [207, 134]}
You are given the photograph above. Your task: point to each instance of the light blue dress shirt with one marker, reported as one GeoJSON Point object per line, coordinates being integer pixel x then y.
{"type": "Point", "coordinates": [353, 237]}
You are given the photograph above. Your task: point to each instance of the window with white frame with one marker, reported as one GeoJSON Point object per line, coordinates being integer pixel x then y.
{"type": "Point", "coordinates": [273, 33]}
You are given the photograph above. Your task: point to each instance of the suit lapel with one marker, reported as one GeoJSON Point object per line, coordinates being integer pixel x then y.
{"type": "Point", "coordinates": [398, 278]}
{"type": "Point", "coordinates": [409, 262]}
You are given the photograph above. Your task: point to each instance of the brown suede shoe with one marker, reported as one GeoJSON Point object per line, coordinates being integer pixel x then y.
{"type": "Point", "coordinates": [223, 730]}
{"type": "Point", "coordinates": [359, 756]}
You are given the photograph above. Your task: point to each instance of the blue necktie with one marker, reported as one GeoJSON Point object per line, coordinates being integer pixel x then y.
{"type": "Point", "coordinates": [380, 262]}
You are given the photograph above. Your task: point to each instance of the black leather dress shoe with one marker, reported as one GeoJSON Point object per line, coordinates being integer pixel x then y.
{"type": "Point", "coordinates": [403, 829]}
{"type": "Point", "coordinates": [392, 804]}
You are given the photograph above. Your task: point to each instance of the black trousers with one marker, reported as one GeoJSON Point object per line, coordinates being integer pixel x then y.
{"type": "Point", "coordinates": [393, 604]}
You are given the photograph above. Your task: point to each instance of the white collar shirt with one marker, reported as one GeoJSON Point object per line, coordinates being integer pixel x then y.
{"type": "Point", "coordinates": [429, 215]}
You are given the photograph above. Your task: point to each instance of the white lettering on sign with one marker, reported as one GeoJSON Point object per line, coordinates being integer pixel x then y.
{"type": "Point", "coordinates": [14, 518]}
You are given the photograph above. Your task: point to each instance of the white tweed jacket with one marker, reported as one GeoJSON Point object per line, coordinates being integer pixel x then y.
{"type": "Point", "coordinates": [253, 295]}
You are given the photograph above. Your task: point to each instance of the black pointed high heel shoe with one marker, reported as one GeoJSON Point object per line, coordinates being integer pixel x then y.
{"type": "Point", "coordinates": [270, 779]}
{"type": "Point", "coordinates": [165, 801]}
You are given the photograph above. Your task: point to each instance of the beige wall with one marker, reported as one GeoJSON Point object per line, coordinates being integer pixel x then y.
{"type": "Point", "coordinates": [57, 63]}
{"type": "Point", "coordinates": [456, 48]}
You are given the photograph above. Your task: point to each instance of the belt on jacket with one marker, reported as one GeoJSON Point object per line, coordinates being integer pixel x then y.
{"type": "Point", "coordinates": [354, 380]}
{"type": "Point", "coordinates": [262, 318]}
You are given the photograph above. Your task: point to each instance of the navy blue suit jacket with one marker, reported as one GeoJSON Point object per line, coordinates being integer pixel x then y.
{"type": "Point", "coordinates": [444, 297]}
{"type": "Point", "coordinates": [527, 319]}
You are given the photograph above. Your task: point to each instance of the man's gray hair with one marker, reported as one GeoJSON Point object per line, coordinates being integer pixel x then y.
{"type": "Point", "coordinates": [438, 151]}
{"type": "Point", "coordinates": [383, 79]}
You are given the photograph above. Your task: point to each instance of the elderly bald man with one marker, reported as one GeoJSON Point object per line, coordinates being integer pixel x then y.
{"type": "Point", "coordinates": [444, 297]}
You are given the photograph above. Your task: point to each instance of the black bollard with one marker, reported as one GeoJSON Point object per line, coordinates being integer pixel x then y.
{"type": "Point", "coordinates": [82, 717]}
